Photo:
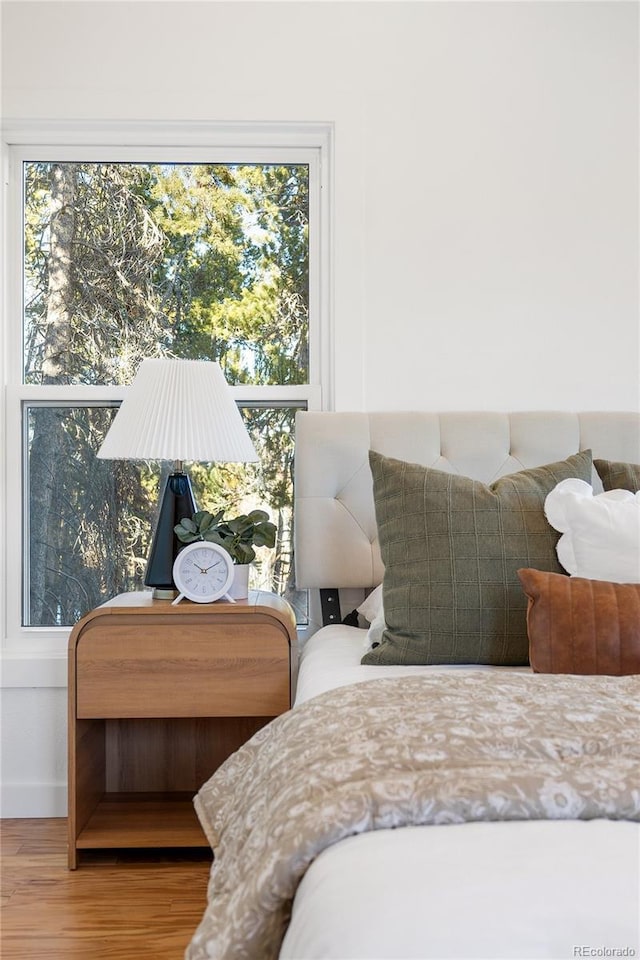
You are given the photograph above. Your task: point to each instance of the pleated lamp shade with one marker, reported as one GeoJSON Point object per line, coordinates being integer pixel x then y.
{"type": "Point", "coordinates": [178, 410]}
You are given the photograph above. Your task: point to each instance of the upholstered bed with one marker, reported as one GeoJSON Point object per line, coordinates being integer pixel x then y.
{"type": "Point", "coordinates": [443, 798]}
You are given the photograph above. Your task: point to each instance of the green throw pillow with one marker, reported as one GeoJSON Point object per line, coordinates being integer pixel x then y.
{"type": "Point", "coordinates": [451, 548]}
{"type": "Point", "coordinates": [616, 475]}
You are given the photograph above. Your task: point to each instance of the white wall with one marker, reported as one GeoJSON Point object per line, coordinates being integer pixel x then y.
{"type": "Point", "coordinates": [485, 199]}
{"type": "Point", "coordinates": [486, 191]}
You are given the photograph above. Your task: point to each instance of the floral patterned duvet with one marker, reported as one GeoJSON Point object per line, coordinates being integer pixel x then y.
{"type": "Point", "coordinates": [405, 751]}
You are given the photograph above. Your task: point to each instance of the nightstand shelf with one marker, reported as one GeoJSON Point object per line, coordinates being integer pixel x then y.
{"type": "Point", "coordinates": [142, 820]}
{"type": "Point", "coordinates": [159, 697]}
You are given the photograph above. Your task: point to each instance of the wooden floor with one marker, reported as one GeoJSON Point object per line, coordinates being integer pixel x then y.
{"type": "Point", "coordinates": [118, 905]}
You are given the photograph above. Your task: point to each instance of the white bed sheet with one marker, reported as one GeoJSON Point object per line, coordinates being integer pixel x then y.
{"type": "Point", "coordinates": [481, 891]}
{"type": "Point", "coordinates": [542, 890]}
{"type": "Point", "coordinates": [331, 658]}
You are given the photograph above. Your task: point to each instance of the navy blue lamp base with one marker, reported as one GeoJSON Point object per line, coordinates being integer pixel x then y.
{"type": "Point", "coordinates": [177, 503]}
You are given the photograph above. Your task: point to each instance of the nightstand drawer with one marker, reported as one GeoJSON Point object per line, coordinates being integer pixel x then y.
{"type": "Point", "coordinates": [194, 668]}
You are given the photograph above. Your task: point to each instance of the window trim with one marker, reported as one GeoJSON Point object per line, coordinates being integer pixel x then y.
{"type": "Point", "coordinates": [143, 141]}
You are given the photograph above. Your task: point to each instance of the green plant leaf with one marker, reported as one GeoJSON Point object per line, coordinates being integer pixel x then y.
{"type": "Point", "coordinates": [265, 535]}
{"type": "Point", "coordinates": [184, 536]}
{"type": "Point", "coordinates": [239, 524]}
{"type": "Point", "coordinates": [202, 519]}
{"type": "Point", "coordinates": [213, 536]}
{"type": "Point", "coordinates": [244, 553]}
{"type": "Point", "coordinates": [257, 516]}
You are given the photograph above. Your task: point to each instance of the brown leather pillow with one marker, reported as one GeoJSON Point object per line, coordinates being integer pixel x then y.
{"type": "Point", "coordinates": [582, 626]}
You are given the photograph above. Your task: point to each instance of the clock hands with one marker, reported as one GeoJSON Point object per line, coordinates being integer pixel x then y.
{"type": "Point", "coordinates": [206, 569]}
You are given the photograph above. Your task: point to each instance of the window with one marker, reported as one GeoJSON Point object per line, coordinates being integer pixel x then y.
{"type": "Point", "coordinates": [208, 253]}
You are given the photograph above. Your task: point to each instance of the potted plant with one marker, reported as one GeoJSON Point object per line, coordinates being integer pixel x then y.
{"type": "Point", "coordinates": [239, 536]}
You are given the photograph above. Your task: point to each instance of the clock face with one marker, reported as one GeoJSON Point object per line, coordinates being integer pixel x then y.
{"type": "Point", "coordinates": [203, 572]}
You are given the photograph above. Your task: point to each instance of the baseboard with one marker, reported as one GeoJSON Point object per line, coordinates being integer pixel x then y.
{"type": "Point", "coordinates": [29, 800]}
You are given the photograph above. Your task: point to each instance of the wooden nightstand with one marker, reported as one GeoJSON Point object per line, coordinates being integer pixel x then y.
{"type": "Point", "coordinates": [159, 697]}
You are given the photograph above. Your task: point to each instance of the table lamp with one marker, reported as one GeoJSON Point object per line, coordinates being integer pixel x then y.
{"type": "Point", "coordinates": [176, 410]}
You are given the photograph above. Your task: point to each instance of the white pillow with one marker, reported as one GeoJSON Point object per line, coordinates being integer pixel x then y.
{"type": "Point", "coordinates": [374, 633]}
{"type": "Point", "coordinates": [600, 534]}
{"type": "Point", "coordinates": [372, 610]}
{"type": "Point", "coordinates": [371, 606]}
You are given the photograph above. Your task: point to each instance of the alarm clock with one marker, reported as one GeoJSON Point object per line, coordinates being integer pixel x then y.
{"type": "Point", "coordinates": [203, 572]}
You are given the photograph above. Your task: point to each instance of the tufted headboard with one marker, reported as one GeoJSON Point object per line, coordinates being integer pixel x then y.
{"type": "Point", "coordinates": [335, 527]}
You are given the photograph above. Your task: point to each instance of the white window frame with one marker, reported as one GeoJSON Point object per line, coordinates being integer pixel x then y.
{"type": "Point", "coordinates": [143, 142]}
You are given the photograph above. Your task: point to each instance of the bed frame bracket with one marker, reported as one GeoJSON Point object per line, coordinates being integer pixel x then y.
{"type": "Point", "coordinates": [330, 604]}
